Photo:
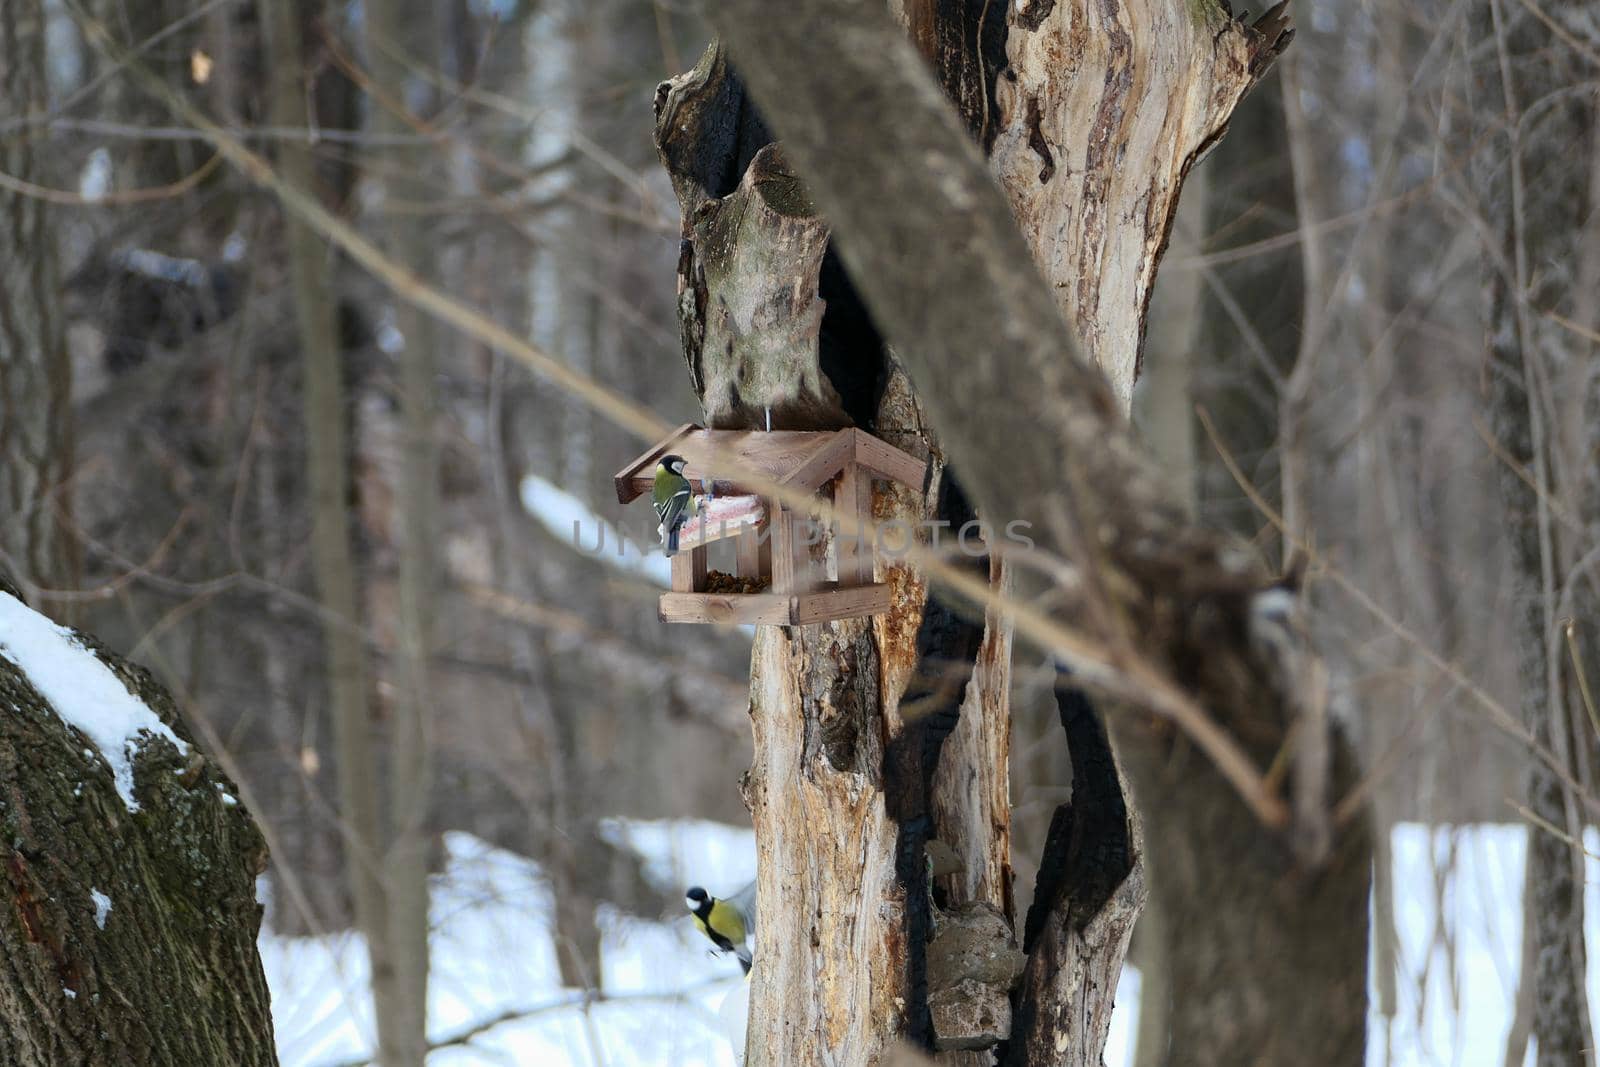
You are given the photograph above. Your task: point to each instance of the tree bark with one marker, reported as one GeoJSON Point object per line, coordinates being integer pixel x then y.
{"type": "Point", "coordinates": [971, 294]}
{"type": "Point", "coordinates": [845, 792]}
{"type": "Point", "coordinates": [327, 417]}
{"type": "Point", "coordinates": [156, 162]}
{"type": "Point", "coordinates": [1163, 411]}
{"type": "Point", "coordinates": [1163, 405]}
{"type": "Point", "coordinates": [1533, 175]}
{"type": "Point", "coordinates": [1266, 959]}
{"type": "Point", "coordinates": [126, 935]}
{"type": "Point", "coordinates": [396, 39]}
{"type": "Point", "coordinates": [36, 440]}
{"type": "Point", "coordinates": [1093, 152]}
{"type": "Point", "coordinates": [970, 796]}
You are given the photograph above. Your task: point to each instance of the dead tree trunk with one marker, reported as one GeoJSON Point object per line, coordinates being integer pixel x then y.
{"type": "Point", "coordinates": [128, 912]}
{"type": "Point", "coordinates": [1534, 174]}
{"type": "Point", "coordinates": [840, 792]}
{"type": "Point", "coordinates": [36, 445]}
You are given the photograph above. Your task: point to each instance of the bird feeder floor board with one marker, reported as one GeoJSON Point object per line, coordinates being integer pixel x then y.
{"type": "Point", "coordinates": [799, 609]}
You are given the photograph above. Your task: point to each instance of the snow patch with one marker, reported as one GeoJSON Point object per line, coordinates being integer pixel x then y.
{"type": "Point", "coordinates": [492, 940]}
{"type": "Point", "coordinates": [390, 340]}
{"type": "Point", "coordinates": [733, 1016]}
{"type": "Point", "coordinates": [84, 692]}
{"type": "Point", "coordinates": [234, 248]}
{"type": "Point", "coordinates": [571, 519]}
{"type": "Point", "coordinates": [679, 853]}
{"type": "Point", "coordinates": [720, 517]}
{"type": "Point", "coordinates": [667, 1000]}
{"type": "Point", "coordinates": [94, 182]}
{"type": "Point", "coordinates": [179, 270]}
{"type": "Point", "coordinates": [102, 907]}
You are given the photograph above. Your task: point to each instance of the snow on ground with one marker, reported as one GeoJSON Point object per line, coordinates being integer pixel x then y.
{"type": "Point", "coordinates": [81, 689]}
{"type": "Point", "coordinates": [1455, 1007]}
{"type": "Point", "coordinates": [493, 954]}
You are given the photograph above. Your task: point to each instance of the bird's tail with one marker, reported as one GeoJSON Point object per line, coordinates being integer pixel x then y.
{"type": "Point", "coordinates": [745, 958]}
{"type": "Point", "coordinates": [672, 540]}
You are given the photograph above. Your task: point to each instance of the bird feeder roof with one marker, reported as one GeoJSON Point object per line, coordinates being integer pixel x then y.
{"type": "Point", "coordinates": [801, 459]}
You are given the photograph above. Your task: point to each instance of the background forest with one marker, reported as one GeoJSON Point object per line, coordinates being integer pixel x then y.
{"type": "Point", "coordinates": [249, 463]}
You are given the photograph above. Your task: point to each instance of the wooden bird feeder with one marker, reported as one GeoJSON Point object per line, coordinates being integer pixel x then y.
{"type": "Point", "coordinates": [778, 581]}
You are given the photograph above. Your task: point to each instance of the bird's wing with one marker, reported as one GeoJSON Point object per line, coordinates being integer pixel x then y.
{"type": "Point", "coordinates": [672, 509]}
{"type": "Point", "coordinates": [745, 901]}
{"type": "Point", "coordinates": [729, 922]}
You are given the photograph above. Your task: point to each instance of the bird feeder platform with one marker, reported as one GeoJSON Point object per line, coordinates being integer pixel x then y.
{"type": "Point", "coordinates": [771, 544]}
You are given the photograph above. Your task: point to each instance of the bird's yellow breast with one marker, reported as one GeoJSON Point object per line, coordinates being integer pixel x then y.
{"type": "Point", "coordinates": [726, 921]}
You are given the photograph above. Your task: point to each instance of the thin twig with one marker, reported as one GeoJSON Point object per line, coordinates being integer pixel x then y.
{"type": "Point", "coordinates": [129, 196]}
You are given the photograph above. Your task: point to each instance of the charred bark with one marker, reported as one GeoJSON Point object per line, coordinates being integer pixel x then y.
{"type": "Point", "coordinates": [1089, 892]}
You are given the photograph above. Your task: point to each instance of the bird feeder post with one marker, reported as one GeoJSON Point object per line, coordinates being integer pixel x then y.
{"type": "Point", "coordinates": [689, 570]}
{"type": "Point", "coordinates": [791, 559]}
{"type": "Point", "coordinates": [754, 551]}
{"type": "Point", "coordinates": [852, 496]}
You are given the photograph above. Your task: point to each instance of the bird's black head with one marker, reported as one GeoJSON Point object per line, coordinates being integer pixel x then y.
{"type": "Point", "coordinates": [697, 899]}
{"type": "Point", "coordinates": [673, 463]}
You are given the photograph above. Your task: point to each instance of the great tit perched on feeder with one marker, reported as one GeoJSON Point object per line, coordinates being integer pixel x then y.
{"type": "Point", "coordinates": [725, 922]}
{"type": "Point", "coordinates": [672, 500]}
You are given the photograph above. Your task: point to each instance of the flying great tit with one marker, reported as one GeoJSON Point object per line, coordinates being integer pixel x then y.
{"type": "Point", "coordinates": [725, 922]}
{"type": "Point", "coordinates": [672, 500]}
